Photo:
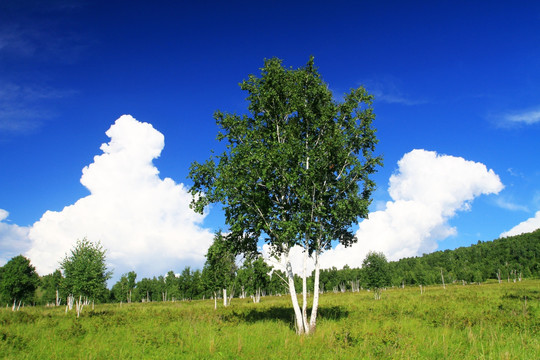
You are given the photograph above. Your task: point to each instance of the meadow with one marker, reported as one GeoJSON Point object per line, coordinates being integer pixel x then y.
{"type": "Point", "coordinates": [487, 321]}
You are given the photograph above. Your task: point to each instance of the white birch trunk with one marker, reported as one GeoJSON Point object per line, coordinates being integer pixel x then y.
{"type": "Point", "coordinates": [79, 306]}
{"type": "Point", "coordinates": [313, 320]}
{"type": "Point", "coordinates": [257, 296]}
{"type": "Point", "coordinates": [225, 297]}
{"type": "Point", "coordinates": [215, 300]}
{"type": "Point", "coordinates": [294, 299]}
{"type": "Point", "coordinates": [442, 277]}
{"type": "Point", "coordinates": [304, 291]}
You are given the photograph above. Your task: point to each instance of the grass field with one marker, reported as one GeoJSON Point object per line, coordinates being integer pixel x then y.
{"type": "Point", "coordinates": [488, 321]}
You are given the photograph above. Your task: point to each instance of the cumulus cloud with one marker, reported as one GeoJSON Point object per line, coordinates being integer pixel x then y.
{"type": "Point", "coordinates": [13, 238]}
{"type": "Point", "coordinates": [143, 221]}
{"type": "Point", "coordinates": [427, 190]}
{"type": "Point", "coordinates": [526, 226]}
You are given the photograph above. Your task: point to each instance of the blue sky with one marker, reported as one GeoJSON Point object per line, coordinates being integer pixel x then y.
{"type": "Point", "coordinates": [453, 78]}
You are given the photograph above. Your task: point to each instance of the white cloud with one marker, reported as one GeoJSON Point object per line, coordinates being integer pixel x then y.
{"type": "Point", "coordinates": [427, 191]}
{"type": "Point", "coordinates": [526, 226]}
{"type": "Point", "coordinates": [13, 239]}
{"type": "Point", "coordinates": [508, 205]}
{"type": "Point", "coordinates": [143, 221]}
{"type": "Point", "coordinates": [24, 108]}
{"type": "Point", "coordinates": [396, 98]}
{"type": "Point", "coordinates": [528, 117]}
{"type": "Point", "coordinates": [387, 89]}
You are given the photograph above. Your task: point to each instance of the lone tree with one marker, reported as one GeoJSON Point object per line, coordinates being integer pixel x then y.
{"type": "Point", "coordinates": [18, 281]}
{"type": "Point", "coordinates": [85, 272]}
{"type": "Point", "coordinates": [295, 170]}
{"type": "Point", "coordinates": [377, 272]}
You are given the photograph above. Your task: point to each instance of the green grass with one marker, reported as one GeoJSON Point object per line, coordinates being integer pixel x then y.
{"type": "Point", "coordinates": [488, 321]}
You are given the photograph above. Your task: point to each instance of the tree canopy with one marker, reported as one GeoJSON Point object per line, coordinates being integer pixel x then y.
{"type": "Point", "coordinates": [377, 271]}
{"type": "Point", "coordinates": [18, 280]}
{"type": "Point", "coordinates": [85, 271]}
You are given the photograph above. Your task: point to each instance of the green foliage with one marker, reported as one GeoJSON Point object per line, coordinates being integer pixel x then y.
{"type": "Point", "coordinates": [85, 271]}
{"type": "Point", "coordinates": [254, 275]}
{"type": "Point", "coordinates": [220, 268]}
{"type": "Point", "coordinates": [277, 284]}
{"type": "Point", "coordinates": [49, 285]}
{"type": "Point", "coordinates": [293, 166]}
{"type": "Point", "coordinates": [120, 290]}
{"type": "Point", "coordinates": [510, 257]}
{"type": "Point", "coordinates": [18, 280]}
{"type": "Point", "coordinates": [377, 272]}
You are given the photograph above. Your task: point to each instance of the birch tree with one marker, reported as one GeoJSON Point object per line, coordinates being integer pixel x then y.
{"type": "Point", "coordinates": [295, 171]}
{"type": "Point", "coordinates": [220, 269]}
{"type": "Point", "coordinates": [253, 278]}
{"type": "Point", "coordinates": [85, 273]}
{"type": "Point", "coordinates": [377, 272]}
{"type": "Point", "coordinates": [50, 288]}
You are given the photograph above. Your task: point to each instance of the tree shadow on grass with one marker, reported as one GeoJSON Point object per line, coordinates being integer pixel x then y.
{"type": "Point", "coordinates": [283, 314]}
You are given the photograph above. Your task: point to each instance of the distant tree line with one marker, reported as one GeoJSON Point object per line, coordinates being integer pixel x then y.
{"type": "Point", "coordinates": [506, 259]}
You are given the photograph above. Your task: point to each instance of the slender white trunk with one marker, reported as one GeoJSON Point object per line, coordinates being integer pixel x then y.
{"type": "Point", "coordinates": [313, 320]}
{"type": "Point", "coordinates": [225, 297]}
{"type": "Point", "coordinates": [304, 291]}
{"type": "Point", "coordinates": [215, 300]}
{"type": "Point", "coordinates": [294, 299]}
{"type": "Point", "coordinates": [14, 304]}
{"type": "Point", "coordinates": [442, 277]}
{"type": "Point", "coordinates": [79, 305]}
